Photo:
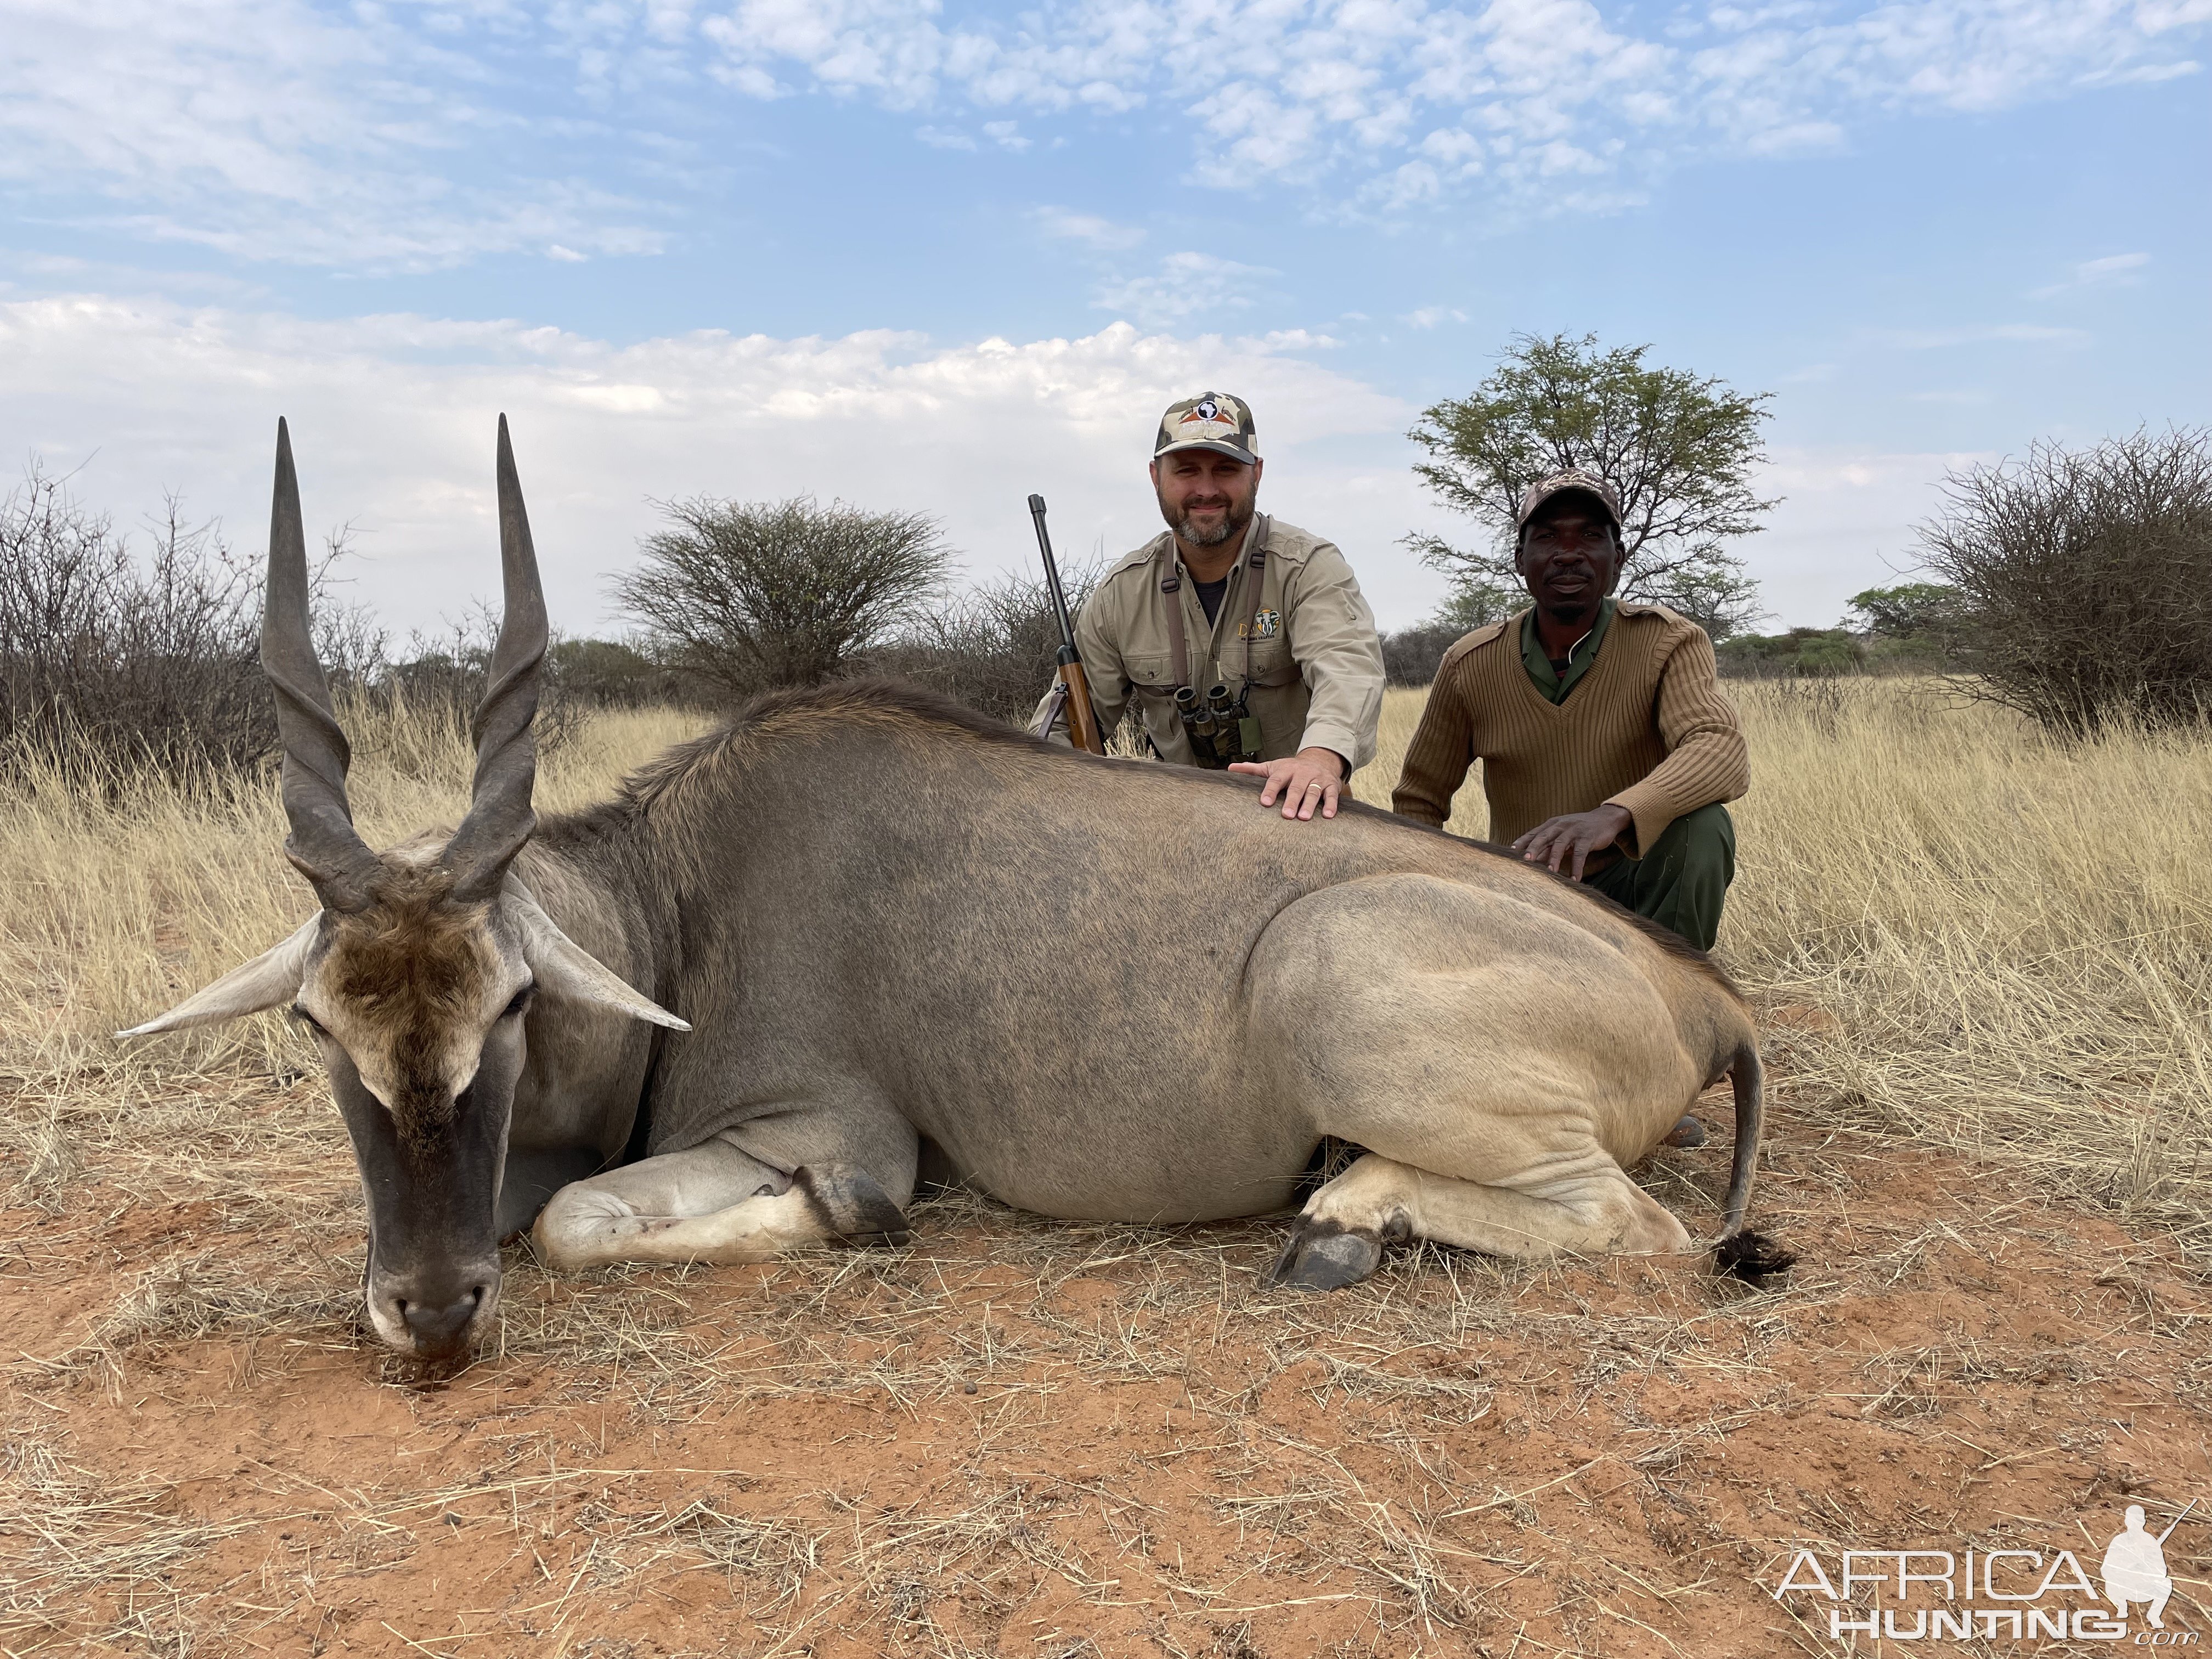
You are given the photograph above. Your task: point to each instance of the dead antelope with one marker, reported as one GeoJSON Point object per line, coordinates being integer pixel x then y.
{"type": "Point", "coordinates": [1094, 988]}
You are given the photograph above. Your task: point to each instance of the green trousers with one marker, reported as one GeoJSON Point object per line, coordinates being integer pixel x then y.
{"type": "Point", "coordinates": [1682, 877]}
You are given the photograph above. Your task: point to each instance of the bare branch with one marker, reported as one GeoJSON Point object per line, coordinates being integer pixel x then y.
{"type": "Point", "coordinates": [2085, 579]}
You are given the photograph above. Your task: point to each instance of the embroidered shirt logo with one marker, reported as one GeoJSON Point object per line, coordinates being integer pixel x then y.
{"type": "Point", "coordinates": [1265, 625]}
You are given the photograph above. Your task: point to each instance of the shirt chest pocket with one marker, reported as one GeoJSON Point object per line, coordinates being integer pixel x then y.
{"type": "Point", "coordinates": [1150, 674]}
{"type": "Point", "coordinates": [1271, 662]}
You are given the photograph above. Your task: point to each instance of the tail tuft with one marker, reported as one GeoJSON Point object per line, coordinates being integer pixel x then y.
{"type": "Point", "coordinates": [1753, 1257]}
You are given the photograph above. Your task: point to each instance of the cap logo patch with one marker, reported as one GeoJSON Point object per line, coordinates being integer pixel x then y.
{"type": "Point", "coordinates": [1213, 420]}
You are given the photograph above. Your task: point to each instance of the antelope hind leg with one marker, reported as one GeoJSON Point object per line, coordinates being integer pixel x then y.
{"type": "Point", "coordinates": [1338, 1239]}
{"type": "Point", "coordinates": [714, 1204]}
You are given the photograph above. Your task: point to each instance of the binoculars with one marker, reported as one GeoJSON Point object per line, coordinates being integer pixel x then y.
{"type": "Point", "coordinates": [1221, 730]}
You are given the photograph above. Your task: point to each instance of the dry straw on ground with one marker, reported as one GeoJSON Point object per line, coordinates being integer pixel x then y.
{"type": "Point", "coordinates": [1983, 964]}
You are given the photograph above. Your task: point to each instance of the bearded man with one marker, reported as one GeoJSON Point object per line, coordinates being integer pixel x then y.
{"type": "Point", "coordinates": [1243, 641]}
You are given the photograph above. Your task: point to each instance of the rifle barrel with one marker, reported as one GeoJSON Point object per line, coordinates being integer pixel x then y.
{"type": "Point", "coordinates": [1052, 577]}
{"type": "Point", "coordinates": [1082, 716]}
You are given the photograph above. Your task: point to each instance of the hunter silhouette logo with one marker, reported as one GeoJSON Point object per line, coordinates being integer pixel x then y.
{"type": "Point", "coordinates": [2135, 1567]}
{"type": "Point", "coordinates": [2026, 1595]}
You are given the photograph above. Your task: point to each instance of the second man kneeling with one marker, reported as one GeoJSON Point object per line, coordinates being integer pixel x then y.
{"type": "Point", "coordinates": [1606, 745]}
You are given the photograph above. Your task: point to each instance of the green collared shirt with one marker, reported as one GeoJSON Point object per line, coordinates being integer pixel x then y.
{"type": "Point", "coordinates": [1555, 686]}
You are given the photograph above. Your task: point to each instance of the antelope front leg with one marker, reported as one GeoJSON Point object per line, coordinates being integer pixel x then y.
{"type": "Point", "coordinates": [713, 1204]}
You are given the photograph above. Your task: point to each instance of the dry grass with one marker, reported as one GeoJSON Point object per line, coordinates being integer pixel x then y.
{"type": "Point", "coordinates": [1969, 934]}
{"type": "Point", "coordinates": [124, 893]}
{"type": "Point", "coordinates": [1021, 1437]}
{"type": "Point", "coordinates": [1028, 1437]}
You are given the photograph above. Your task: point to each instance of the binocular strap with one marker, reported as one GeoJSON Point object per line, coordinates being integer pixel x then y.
{"type": "Point", "coordinates": [1171, 587]}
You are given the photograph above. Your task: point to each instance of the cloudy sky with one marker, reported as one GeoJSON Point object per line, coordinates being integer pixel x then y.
{"type": "Point", "coordinates": [929, 255]}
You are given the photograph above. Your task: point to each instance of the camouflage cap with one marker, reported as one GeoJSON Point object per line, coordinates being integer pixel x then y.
{"type": "Point", "coordinates": [1559, 484]}
{"type": "Point", "coordinates": [1217, 421]}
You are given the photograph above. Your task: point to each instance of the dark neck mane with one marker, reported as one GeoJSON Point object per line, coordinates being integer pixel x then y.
{"type": "Point", "coordinates": [786, 716]}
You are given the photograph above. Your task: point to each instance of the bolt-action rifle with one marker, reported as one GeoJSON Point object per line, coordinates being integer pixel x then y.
{"type": "Point", "coordinates": [1073, 694]}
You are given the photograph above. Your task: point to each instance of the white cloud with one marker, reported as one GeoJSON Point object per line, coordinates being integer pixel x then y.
{"type": "Point", "coordinates": [1430, 316]}
{"type": "Point", "coordinates": [1066, 225]}
{"type": "Point", "coordinates": [387, 136]}
{"type": "Point", "coordinates": [2115, 270]}
{"type": "Point", "coordinates": [393, 417]}
{"type": "Point", "coordinates": [1186, 285]}
{"type": "Point", "coordinates": [392, 420]}
{"type": "Point", "coordinates": [1845, 524]}
{"type": "Point", "coordinates": [275, 130]}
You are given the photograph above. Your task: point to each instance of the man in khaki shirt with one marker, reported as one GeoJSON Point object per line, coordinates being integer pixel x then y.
{"type": "Point", "coordinates": [1230, 597]}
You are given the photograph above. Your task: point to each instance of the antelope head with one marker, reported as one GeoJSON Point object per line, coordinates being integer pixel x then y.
{"type": "Point", "coordinates": [416, 973]}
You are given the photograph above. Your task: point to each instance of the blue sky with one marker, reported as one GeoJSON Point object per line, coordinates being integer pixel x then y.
{"type": "Point", "coordinates": [938, 256]}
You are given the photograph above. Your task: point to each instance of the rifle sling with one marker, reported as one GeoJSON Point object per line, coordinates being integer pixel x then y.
{"type": "Point", "coordinates": [1054, 705]}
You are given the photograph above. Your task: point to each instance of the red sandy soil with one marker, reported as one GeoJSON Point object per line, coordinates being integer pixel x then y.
{"type": "Point", "coordinates": [1019, 1438]}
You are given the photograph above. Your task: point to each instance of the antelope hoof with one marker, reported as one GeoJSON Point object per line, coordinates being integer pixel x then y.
{"type": "Point", "coordinates": [1322, 1256]}
{"type": "Point", "coordinates": [1688, 1132]}
{"type": "Point", "coordinates": [850, 1207]}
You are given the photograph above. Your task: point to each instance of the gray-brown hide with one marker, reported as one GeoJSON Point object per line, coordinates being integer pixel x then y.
{"type": "Point", "coordinates": [1100, 988]}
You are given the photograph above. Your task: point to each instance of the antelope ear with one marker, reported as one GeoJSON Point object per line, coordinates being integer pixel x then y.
{"type": "Point", "coordinates": [271, 978]}
{"type": "Point", "coordinates": [564, 968]}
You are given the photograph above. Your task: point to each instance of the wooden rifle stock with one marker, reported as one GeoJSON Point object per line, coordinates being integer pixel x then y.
{"type": "Point", "coordinates": [1082, 716]}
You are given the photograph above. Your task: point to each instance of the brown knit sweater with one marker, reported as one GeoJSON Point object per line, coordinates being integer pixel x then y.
{"type": "Point", "coordinates": [1646, 727]}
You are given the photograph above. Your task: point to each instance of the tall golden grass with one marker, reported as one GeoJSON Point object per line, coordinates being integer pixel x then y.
{"type": "Point", "coordinates": [1976, 935]}
{"type": "Point", "coordinates": [119, 890]}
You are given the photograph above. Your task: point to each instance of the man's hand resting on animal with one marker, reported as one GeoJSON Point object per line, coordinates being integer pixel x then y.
{"type": "Point", "coordinates": [1311, 778]}
{"type": "Point", "coordinates": [1572, 838]}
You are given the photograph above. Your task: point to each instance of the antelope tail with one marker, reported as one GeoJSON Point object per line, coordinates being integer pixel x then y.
{"type": "Point", "coordinates": [1742, 1253]}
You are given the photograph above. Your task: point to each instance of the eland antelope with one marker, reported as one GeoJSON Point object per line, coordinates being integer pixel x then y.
{"type": "Point", "coordinates": [859, 935]}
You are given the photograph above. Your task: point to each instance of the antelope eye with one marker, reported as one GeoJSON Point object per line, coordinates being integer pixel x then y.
{"type": "Point", "coordinates": [519, 1003]}
{"type": "Point", "coordinates": [306, 1019]}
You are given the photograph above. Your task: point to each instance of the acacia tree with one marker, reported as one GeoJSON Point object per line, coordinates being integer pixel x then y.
{"type": "Point", "coordinates": [1907, 610]}
{"type": "Point", "coordinates": [1679, 448]}
{"type": "Point", "coordinates": [749, 595]}
{"type": "Point", "coordinates": [2084, 579]}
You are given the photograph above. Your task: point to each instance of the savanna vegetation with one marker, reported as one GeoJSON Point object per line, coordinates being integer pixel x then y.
{"type": "Point", "coordinates": [1679, 448]}
{"type": "Point", "coordinates": [1983, 990]}
{"type": "Point", "coordinates": [1964, 911]}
